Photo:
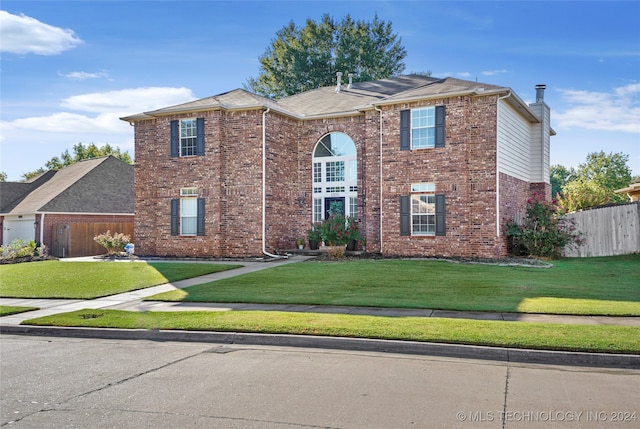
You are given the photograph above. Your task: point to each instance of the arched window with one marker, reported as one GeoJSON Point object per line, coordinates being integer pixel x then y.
{"type": "Point", "coordinates": [335, 176]}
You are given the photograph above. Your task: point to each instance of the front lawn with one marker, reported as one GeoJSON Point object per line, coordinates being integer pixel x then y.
{"type": "Point", "coordinates": [546, 336]}
{"type": "Point", "coordinates": [88, 280]}
{"type": "Point", "coordinates": [6, 310]}
{"type": "Point", "coordinates": [583, 286]}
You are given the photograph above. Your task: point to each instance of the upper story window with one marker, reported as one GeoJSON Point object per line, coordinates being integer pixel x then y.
{"type": "Point", "coordinates": [423, 132]}
{"type": "Point", "coordinates": [422, 128]}
{"type": "Point", "coordinates": [187, 137]}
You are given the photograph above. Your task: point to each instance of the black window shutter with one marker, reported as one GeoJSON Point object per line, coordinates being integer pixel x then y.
{"type": "Point", "coordinates": [440, 215]}
{"type": "Point", "coordinates": [405, 215]}
{"type": "Point", "coordinates": [200, 136]}
{"type": "Point", "coordinates": [405, 129]}
{"type": "Point", "coordinates": [440, 119]}
{"type": "Point", "coordinates": [175, 203]}
{"type": "Point", "coordinates": [200, 225]}
{"type": "Point", "coordinates": [175, 138]}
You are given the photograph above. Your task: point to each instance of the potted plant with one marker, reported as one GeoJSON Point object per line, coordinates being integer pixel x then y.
{"type": "Point", "coordinates": [353, 234]}
{"type": "Point", "coordinates": [314, 235]}
{"type": "Point", "coordinates": [300, 243]}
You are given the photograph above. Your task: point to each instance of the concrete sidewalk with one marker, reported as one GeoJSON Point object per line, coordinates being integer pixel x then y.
{"type": "Point", "coordinates": [134, 301]}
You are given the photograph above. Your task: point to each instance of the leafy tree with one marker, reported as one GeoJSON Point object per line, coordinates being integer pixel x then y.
{"type": "Point", "coordinates": [595, 181]}
{"type": "Point", "coordinates": [80, 152]}
{"type": "Point", "coordinates": [580, 194]}
{"type": "Point", "coordinates": [3, 176]}
{"type": "Point", "coordinates": [560, 175]}
{"type": "Point", "coordinates": [610, 172]}
{"type": "Point", "coordinates": [301, 59]}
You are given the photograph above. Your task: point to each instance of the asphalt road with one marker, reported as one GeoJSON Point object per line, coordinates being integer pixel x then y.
{"type": "Point", "coordinates": [51, 382]}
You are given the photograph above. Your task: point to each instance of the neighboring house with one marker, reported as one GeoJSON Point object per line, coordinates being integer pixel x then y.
{"type": "Point", "coordinates": [632, 191]}
{"type": "Point", "coordinates": [89, 194]}
{"type": "Point", "coordinates": [428, 167]}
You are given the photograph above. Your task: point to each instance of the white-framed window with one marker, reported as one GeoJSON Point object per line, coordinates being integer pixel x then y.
{"type": "Point", "coordinates": [353, 170]}
{"type": "Point", "coordinates": [423, 214]}
{"type": "Point", "coordinates": [317, 210]}
{"type": "Point", "coordinates": [423, 209]}
{"type": "Point", "coordinates": [423, 131]}
{"type": "Point", "coordinates": [423, 187]}
{"type": "Point", "coordinates": [334, 171]}
{"type": "Point", "coordinates": [353, 207]}
{"type": "Point", "coordinates": [188, 137]}
{"type": "Point", "coordinates": [188, 216]}
{"type": "Point", "coordinates": [188, 192]}
{"type": "Point", "coordinates": [317, 172]}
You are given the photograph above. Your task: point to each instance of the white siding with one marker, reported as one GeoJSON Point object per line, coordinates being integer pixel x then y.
{"type": "Point", "coordinates": [540, 144]}
{"type": "Point", "coordinates": [514, 143]}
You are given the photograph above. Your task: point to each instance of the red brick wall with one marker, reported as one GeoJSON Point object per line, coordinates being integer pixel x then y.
{"type": "Point", "coordinates": [464, 171]}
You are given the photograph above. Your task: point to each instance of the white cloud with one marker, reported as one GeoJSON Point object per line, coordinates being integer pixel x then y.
{"type": "Point", "coordinates": [22, 34]}
{"type": "Point", "coordinates": [464, 74]}
{"type": "Point", "coordinates": [80, 75]}
{"type": "Point", "coordinates": [107, 107]}
{"type": "Point", "coordinates": [494, 72]}
{"type": "Point", "coordinates": [618, 110]}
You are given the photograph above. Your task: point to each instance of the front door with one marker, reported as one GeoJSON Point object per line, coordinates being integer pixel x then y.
{"type": "Point", "coordinates": [335, 204]}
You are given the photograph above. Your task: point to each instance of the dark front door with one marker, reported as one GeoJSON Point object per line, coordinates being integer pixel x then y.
{"type": "Point", "coordinates": [335, 204]}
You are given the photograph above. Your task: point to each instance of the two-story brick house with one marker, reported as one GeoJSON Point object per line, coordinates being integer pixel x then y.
{"type": "Point", "coordinates": [428, 167]}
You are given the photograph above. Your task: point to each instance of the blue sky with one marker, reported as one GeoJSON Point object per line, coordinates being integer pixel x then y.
{"type": "Point", "coordinates": [70, 69]}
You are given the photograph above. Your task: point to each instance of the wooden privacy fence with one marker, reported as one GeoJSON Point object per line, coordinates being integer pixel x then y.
{"type": "Point", "coordinates": [608, 231]}
{"type": "Point", "coordinates": [76, 239]}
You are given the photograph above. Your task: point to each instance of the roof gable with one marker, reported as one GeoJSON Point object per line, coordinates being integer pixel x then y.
{"type": "Point", "coordinates": [88, 186]}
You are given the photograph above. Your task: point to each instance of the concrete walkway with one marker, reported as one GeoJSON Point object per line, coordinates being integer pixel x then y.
{"type": "Point", "coordinates": [134, 301]}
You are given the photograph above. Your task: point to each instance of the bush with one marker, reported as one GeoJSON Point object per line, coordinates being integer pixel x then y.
{"type": "Point", "coordinates": [113, 243]}
{"type": "Point", "coordinates": [22, 249]}
{"type": "Point", "coordinates": [544, 232]}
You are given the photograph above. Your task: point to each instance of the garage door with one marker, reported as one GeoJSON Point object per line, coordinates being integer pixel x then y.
{"type": "Point", "coordinates": [18, 227]}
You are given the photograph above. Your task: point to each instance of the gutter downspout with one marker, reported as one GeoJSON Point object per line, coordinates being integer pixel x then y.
{"type": "Point", "coordinates": [380, 176]}
{"type": "Point", "coordinates": [264, 187]}
{"type": "Point", "coordinates": [41, 228]}
{"type": "Point", "coordinates": [498, 167]}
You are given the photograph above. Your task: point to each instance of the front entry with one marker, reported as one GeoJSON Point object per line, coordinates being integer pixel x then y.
{"type": "Point", "coordinates": [335, 176]}
{"type": "Point", "coordinates": [333, 205]}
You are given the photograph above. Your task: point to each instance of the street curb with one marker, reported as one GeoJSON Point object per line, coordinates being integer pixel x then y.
{"type": "Point", "coordinates": [548, 357]}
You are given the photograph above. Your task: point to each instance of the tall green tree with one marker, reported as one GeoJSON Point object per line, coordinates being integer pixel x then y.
{"type": "Point", "coordinates": [560, 175]}
{"type": "Point", "coordinates": [3, 176]}
{"type": "Point", "coordinates": [595, 181]}
{"type": "Point", "coordinates": [610, 171]}
{"type": "Point", "coordinates": [80, 152]}
{"type": "Point", "coordinates": [304, 58]}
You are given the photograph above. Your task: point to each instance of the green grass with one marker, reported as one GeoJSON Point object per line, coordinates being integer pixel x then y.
{"type": "Point", "coordinates": [547, 336]}
{"type": "Point", "coordinates": [6, 310]}
{"type": "Point", "coordinates": [88, 280]}
{"type": "Point", "coordinates": [582, 286]}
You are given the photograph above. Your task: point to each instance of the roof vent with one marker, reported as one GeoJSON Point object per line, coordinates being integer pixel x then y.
{"type": "Point", "coordinates": [339, 81]}
{"type": "Point", "coordinates": [350, 80]}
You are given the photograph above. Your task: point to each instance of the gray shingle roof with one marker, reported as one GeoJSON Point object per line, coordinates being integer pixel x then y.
{"type": "Point", "coordinates": [97, 185]}
{"type": "Point", "coordinates": [326, 101]}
